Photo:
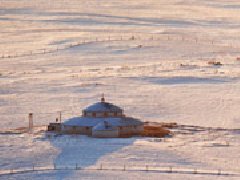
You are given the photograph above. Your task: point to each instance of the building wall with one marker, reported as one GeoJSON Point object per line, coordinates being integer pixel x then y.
{"type": "Point", "coordinates": [102, 114]}
{"type": "Point", "coordinates": [131, 130]}
{"type": "Point", "coordinates": [54, 127]}
{"type": "Point", "coordinates": [121, 131]}
{"type": "Point", "coordinates": [77, 130]}
{"type": "Point", "coordinates": [106, 133]}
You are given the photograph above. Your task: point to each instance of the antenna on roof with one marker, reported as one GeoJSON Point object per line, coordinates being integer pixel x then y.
{"type": "Point", "coordinates": [103, 99]}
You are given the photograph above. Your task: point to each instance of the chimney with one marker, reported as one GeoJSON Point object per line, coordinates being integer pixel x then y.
{"type": "Point", "coordinates": [102, 99]}
{"type": "Point", "coordinates": [30, 117]}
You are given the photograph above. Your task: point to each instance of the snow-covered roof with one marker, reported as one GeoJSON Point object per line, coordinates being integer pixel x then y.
{"type": "Point", "coordinates": [90, 122]}
{"type": "Point", "coordinates": [103, 106]}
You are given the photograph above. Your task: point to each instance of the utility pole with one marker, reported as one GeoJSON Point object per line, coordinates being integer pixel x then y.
{"type": "Point", "coordinates": [60, 116]}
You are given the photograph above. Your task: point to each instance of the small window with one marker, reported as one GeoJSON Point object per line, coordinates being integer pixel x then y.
{"type": "Point", "coordinates": [120, 128]}
{"type": "Point", "coordinates": [89, 114]}
{"type": "Point", "coordinates": [115, 114]}
{"type": "Point", "coordinates": [74, 128]}
{"type": "Point", "coordinates": [87, 128]}
{"type": "Point", "coordinates": [94, 114]}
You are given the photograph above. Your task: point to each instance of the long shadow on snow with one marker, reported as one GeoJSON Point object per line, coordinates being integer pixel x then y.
{"type": "Point", "coordinates": [184, 80]}
{"type": "Point", "coordinates": [83, 151]}
{"type": "Point", "coordinates": [86, 151]}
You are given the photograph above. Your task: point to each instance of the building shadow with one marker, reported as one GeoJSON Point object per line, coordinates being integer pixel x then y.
{"type": "Point", "coordinates": [86, 151]}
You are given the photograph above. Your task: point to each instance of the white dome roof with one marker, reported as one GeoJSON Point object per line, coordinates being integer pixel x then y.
{"type": "Point", "coordinates": [103, 107]}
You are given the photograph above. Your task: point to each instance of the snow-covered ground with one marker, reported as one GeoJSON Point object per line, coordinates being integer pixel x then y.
{"type": "Point", "coordinates": [161, 75]}
{"type": "Point", "coordinates": [209, 151]}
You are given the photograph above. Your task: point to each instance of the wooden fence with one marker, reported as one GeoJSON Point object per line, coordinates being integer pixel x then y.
{"type": "Point", "coordinates": [102, 167]}
{"type": "Point", "coordinates": [134, 37]}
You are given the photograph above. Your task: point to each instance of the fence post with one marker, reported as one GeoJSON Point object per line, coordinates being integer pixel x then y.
{"type": "Point", "coordinates": [170, 169]}
{"type": "Point", "coordinates": [33, 167]}
{"type": "Point", "coordinates": [124, 167]}
{"type": "Point", "coordinates": [195, 171]}
{"type": "Point", "coordinates": [54, 166]}
{"type": "Point", "coordinates": [100, 167]}
{"type": "Point", "coordinates": [76, 166]}
{"type": "Point", "coordinates": [146, 167]}
{"type": "Point", "coordinates": [219, 172]}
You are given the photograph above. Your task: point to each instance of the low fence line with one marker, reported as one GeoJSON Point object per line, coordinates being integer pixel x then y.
{"type": "Point", "coordinates": [24, 129]}
{"type": "Point", "coordinates": [101, 167]}
{"type": "Point", "coordinates": [118, 38]}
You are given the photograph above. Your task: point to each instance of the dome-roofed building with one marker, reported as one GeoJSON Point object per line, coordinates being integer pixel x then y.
{"type": "Point", "coordinates": [102, 119]}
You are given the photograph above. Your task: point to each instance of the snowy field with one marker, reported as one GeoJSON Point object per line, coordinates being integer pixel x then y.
{"type": "Point", "coordinates": [67, 54]}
